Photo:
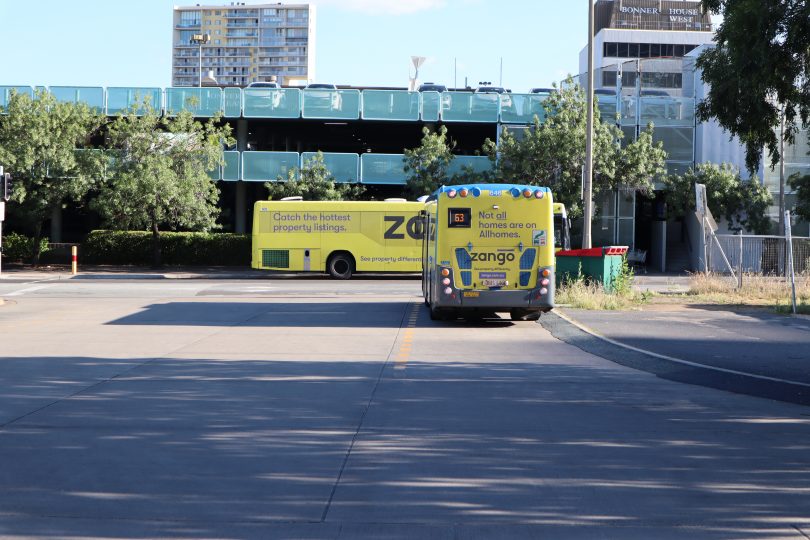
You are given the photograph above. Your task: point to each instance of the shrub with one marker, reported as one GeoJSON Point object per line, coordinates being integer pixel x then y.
{"type": "Point", "coordinates": [178, 249]}
{"type": "Point", "coordinates": [17, 247]}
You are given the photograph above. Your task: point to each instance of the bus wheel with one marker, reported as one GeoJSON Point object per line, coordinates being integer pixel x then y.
{"type": "Point", "coordinates": [341, 266]}
{"type": "Point", "coordinates": [524, 315]}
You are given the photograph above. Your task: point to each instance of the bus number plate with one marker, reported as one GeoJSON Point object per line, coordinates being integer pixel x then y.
{"type": "Point", "coordinates": [471, 294]}
{"type": "Point", "coordinates": [494, 282]}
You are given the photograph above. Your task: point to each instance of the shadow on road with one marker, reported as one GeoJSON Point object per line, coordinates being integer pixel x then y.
{"type": "Point", "coordinates": [309, 313]}
{"type": "Point", "coordinates": [198, 448]}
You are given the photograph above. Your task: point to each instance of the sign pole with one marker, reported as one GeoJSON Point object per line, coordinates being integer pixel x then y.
{"type": "Point", "coordinates": [789, 241]}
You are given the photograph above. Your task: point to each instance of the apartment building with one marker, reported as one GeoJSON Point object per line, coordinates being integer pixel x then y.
{"type": "Point", "coordinates": [244, 44]}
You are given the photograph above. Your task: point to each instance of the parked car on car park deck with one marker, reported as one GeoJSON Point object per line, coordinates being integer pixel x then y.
{"type": "Point", "coordinates": [323, 95]}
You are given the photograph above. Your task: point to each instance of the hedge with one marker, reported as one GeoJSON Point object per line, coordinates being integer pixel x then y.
{"type": "Point", "coordinates": [177, 248]}
{"type": "Point", "coordinates": [17, 247]}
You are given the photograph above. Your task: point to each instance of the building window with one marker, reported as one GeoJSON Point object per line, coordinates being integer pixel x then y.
{"type": "Point", "coordinates": [645, 50]}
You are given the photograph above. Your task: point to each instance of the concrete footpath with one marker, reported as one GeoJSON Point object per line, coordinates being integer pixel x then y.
{"type": "Point", "coordinates": [753, 352]}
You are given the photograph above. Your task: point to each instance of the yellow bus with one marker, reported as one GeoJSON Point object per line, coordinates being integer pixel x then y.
{"type": "Point", "coordinates": [488, 248]}
{"type": "Point", "coordinates": [338, 237]}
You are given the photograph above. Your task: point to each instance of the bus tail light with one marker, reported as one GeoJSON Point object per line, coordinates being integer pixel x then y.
{"type": "Point", "coordinates": [543, 291]}
{"type": "Point", "coordinates": [545, 282]}
{"type": "Point", "coordinates": [463, 192]}
{"type": "Point", "coordinates": [452, 193]}
{"type": "Point", "coordinates": [527, 193]}
{"type": "Point", "coordinates": [539, 194]}
{"type": "Point", "coordinates": [546, 272]}
{"type": "Point", "coordinates": [448, 290]}
{"type": "Point", "coordinates": [446, 281]}
{"type": "Point", "coordinates": [445, 272]}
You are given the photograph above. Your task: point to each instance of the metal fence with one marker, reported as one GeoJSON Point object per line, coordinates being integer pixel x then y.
{"type": "Point", "coordinates": [766, 255]}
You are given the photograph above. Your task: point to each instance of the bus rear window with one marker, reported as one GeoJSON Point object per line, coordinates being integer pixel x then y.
{"type": "Point", "coordinates": [459, 217]}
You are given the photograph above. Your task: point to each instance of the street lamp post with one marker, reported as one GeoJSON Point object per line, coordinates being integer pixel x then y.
{"type": "Point", "coordinates": [200, 40]}
{"type": "Point", "coordinates": [588, 180]}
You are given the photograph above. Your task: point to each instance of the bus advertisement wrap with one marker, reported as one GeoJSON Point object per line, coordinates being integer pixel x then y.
{"type": "Point", "coordinates": [489, 248]}
{"type": "Point", "coordinates": [337, 237]}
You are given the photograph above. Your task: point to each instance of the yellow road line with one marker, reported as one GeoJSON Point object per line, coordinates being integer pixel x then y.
{"type": "Point", "coordinates": [406, 345]}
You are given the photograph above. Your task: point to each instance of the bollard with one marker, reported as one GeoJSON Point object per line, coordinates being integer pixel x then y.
{"type": "Point", "coordinates": [73, 260]}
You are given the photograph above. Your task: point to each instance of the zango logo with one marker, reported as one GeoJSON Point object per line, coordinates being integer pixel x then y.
{"type": "Point", "coordinates": [414, 227]}
{"type": "Point", "coordinates": [500, 258]}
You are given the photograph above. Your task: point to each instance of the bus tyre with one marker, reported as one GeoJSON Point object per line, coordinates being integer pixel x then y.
{"type": "Point", "coordinates": [341, 266]}
{"type": "Point", "coordinates": [524, 315]}
{"type": "Point", "coordinates": [439, 314]}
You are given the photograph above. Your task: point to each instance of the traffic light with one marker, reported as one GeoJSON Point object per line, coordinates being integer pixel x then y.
{"type": "Point", "coordinates": [6, 186]}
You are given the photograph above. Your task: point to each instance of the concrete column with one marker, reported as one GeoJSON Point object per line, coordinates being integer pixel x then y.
{"type": "Point", "coordinates": [56, 226]}
{"type": "Point", "coordinates": [240, 214]}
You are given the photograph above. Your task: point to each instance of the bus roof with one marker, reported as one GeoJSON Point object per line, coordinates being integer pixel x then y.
{"type": "Point", "coordinates": [489, 187]}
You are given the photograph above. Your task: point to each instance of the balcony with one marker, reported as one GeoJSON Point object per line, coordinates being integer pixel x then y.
{"type": "Point", "coordinates": [242, 34]}
{"type": "Point", "coordinates": [242, 14]}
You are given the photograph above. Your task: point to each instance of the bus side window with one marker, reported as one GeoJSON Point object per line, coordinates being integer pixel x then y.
{"type": "Point", "coordinates": [558, 232]}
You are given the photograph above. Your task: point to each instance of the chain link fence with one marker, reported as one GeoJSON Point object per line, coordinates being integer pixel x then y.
{"type": "Point", "coordinates": [762, 255]}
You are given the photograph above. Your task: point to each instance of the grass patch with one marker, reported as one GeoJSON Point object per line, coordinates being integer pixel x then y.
{"type": "Point", "coordinates": [757, 290]}
{"type": "Point", "coordinates": [582, 293]}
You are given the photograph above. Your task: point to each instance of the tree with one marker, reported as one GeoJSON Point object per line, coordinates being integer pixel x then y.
{"type": "Point", "coordinates": [427, 165]}
{"type": "Point", "coordinates": [552, 153]}
{"type": "Point", "coordinates": [313, 182]}
{"type": "Point", "coordinates": [160, 176]}
{"type": "Point", "coordinates": [758, 71]}
{"type": "Point", "coordinates": [801, 185]}
{"type": "Point", "coordinates": [45, 144]}
{"type": "Point", "coordinates": [743, 203]}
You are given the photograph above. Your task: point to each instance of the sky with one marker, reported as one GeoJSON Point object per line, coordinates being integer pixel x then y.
{"type": "Point", "coordinates": [358, 42]}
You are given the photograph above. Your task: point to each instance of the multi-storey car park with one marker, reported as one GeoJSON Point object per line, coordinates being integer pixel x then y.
{"type": "Point", "coordinates": [362, 132]}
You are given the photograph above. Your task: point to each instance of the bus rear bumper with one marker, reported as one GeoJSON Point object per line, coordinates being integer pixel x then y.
{"type": "Point", "coordinates": [499, 299]}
